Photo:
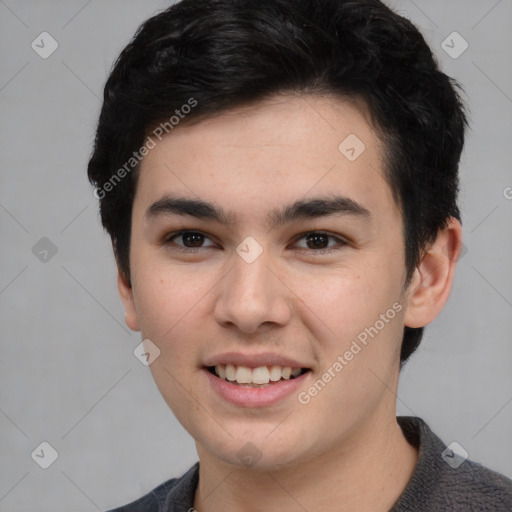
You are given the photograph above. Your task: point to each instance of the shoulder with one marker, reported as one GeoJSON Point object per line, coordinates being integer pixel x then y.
{"type": "Point", "coordinates": [478, 487]}
{"type": "Point", "coordinates": [173, 494]}
{"type": "Point", "coordinates": [445, 480]}
{"type": "Point", "coordinates": [150, 502]}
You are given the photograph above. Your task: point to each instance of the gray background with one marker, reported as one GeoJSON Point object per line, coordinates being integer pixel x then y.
{"type": "Point", "coordinates": [67, 372]}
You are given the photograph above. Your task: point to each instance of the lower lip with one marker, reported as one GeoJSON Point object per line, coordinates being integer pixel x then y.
{"type": "Point", "coordinates": [254, 397]}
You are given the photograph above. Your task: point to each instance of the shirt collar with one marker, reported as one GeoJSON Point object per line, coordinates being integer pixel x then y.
{"type": "Point", "coordinates": [181, 496]}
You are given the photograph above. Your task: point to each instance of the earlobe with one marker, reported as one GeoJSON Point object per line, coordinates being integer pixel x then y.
{"type": "Point", "coordinates": [126, 294]}
{"type": "Point", "coordinates": [433, 277]}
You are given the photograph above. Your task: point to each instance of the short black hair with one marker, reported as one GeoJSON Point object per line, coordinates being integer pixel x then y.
{"type": "Point", "coordinates": [203, 57]}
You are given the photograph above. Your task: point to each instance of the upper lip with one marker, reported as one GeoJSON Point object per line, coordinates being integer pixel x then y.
{"type": "Point", "coordinates": [253, 360]}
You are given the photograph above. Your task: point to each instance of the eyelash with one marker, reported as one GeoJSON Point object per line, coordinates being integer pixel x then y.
{"type": "Point", "coordinates": [341, 243]}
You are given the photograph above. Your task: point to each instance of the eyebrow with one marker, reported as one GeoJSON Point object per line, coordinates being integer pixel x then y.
{"type": "Point", "coordinates": [299, 210]}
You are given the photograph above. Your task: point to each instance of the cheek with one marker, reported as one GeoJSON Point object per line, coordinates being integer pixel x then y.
{"type": "Point", "coordinates": [358, 348]}
{"type": "Point", "coordinates": [168, 306]}
{"type": "Point", "coordinates": [165, 296]}
{"type": "Point", "coordinates": [341, 303]}
{"type": "Point", "coordinates": [173, 306]}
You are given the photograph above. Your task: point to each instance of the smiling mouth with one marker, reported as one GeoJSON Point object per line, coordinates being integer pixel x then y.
{"type": "Point", "coordinates": [260, 377]}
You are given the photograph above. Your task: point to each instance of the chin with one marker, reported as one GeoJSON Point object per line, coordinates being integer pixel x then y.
{"type": "Point", "coordinates": [256, 453]}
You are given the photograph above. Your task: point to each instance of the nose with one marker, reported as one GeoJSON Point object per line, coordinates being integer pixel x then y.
{"type": "Point", "coordinates": [252, 296]}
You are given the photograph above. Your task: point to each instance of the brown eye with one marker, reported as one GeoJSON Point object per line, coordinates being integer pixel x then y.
{"type": "Point", "coordinates": [318, 241]}
{"type": "Point", "coordinates": [189, 239]}
{"type": "Point", "coordinates": [192, 239]}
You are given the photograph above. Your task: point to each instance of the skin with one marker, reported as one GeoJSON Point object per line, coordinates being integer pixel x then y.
{"type": "Point", "coordinates": [343, 450]}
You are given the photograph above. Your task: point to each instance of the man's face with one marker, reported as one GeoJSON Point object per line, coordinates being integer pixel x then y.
{"type": "Point", "coordinates": [277, 286]}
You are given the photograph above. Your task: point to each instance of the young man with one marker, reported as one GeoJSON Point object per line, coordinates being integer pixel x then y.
{"type": "Point", "coordinates": [279, 179]}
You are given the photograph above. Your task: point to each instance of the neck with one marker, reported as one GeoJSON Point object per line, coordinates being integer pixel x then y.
{"type": "Point", "coordinates": [368, 470]}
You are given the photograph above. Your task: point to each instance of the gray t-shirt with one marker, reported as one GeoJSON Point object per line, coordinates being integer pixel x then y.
{"type": "Point", "coordinates": [441, 481]}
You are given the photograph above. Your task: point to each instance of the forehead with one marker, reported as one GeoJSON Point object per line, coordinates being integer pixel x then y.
{"type": "Point", "coordinates": [276, 151]}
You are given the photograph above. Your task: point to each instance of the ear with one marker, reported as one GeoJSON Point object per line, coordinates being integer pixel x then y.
{"type": "Point", "coordinates": [433, 277]}
{"type": "Point", "coordinates": [126, 294]}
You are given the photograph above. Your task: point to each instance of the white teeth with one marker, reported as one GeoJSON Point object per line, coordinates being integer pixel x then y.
{"type": "Point", "coordinates": [243, 375]}
{"type": "Point", "coordinates": [230, 372]}
{"type": "Point", "coordinates": [275, 373]}
{"type": "Point", "coordinates": [221, 370]}
{"type": "Point", "coordinates": [260, 375]}
{"type": "Point", "coordinates": [286, 372]}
